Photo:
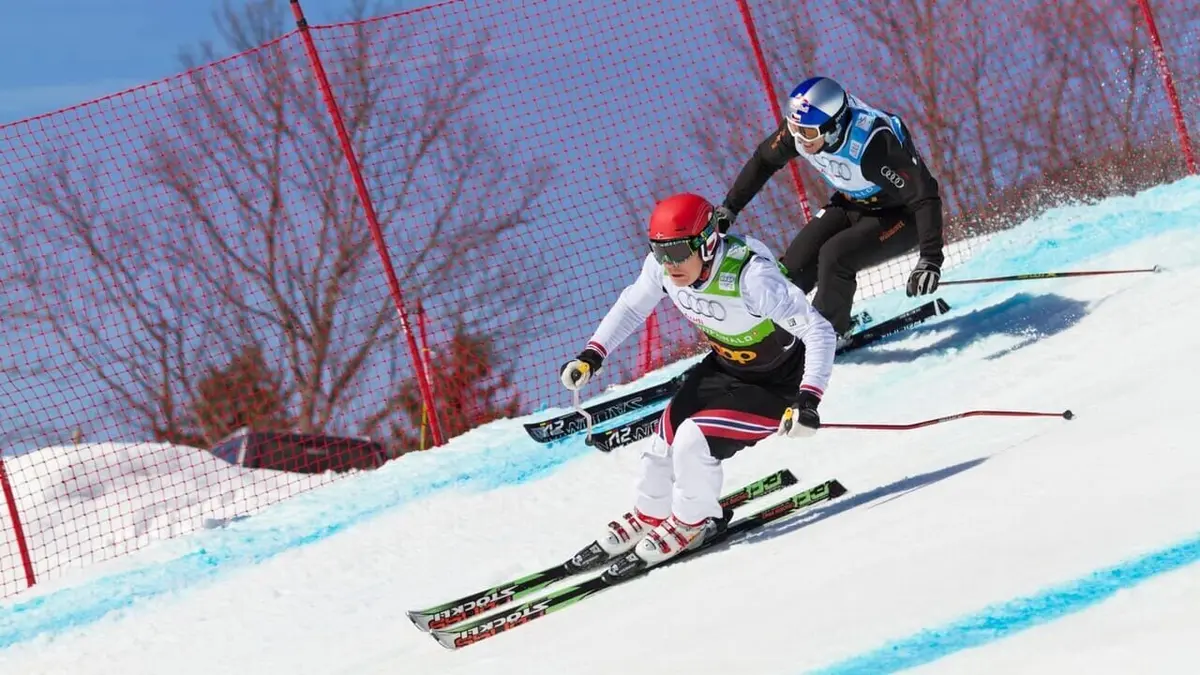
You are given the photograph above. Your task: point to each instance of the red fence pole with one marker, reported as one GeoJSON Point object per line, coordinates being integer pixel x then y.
{"type": "Point", "coordinates": [648, 354]}
{"type": "Point", "coordinates": [1169, 83]}
{"type": "Point", "coordinates": [18, 531]}
{"type": "Point", "coordinates": [772, 99]}
{"type": "Point", "coordinates": [364, 197]}
{"type": "Point", "coordinates": [422, 324]}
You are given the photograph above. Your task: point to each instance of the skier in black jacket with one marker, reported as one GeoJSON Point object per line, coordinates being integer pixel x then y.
{"type": "Point", "coordinates": [886, 202]}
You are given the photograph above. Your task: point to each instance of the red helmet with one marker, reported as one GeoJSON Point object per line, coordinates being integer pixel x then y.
{"type": "Point", "coordinates": [680, 225]}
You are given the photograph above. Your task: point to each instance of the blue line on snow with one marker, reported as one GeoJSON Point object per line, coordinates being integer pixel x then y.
{"type": "Point", "coordinates": [507, 457]}
{"type": "Point", "coordinates": [999, 621]}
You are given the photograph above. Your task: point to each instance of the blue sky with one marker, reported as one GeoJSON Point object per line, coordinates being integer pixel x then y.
{"type": "Point", "coordinates": [60, 52]}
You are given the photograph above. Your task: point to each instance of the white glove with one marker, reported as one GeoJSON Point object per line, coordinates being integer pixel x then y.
{"type": "Point", "coordinates": [576, 372]}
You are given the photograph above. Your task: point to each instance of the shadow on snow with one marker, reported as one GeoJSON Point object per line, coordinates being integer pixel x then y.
{"type": "Point", "coordinates": [1025, 316]}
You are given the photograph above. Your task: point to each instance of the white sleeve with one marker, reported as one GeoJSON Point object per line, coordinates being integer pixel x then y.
{"type": "Point", "coordinates": [630, 310]}
{"type": "Point", "coordinates": [769, 294]}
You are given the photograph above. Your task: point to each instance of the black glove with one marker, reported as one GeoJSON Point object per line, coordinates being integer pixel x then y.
{"type": "Point", "coordinates": [576, 372]}
{"type": "Point", "coordinates": [924, 278]}
{"type": "Point", "coordinates": [723, 217]}
{"type": "Point", "coordinates": [801, 419]}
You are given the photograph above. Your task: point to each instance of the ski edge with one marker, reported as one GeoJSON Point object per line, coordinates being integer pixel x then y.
{"type": "Point", "coordinates": [896, 324]}
{"type": "Point", "coordinates": [474, 606]}
{"type": "Point", "coordinates": [570, 423]}
{"type": "Point", "coordinates": [469, 634]}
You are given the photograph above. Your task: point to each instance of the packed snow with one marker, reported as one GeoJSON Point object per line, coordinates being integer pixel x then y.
{"type": "Point", "coordinates": [84, 503]}
{"type": "Point", "coordinates": [980, 545]}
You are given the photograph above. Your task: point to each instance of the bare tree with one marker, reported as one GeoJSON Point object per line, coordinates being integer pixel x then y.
{"type": "Point", "coordinates": [730, 123]}
{"type": "Point", "coordinates": [237, 225]}
{"type": "Point", "coordinates": [1086, 127]}
{"type": "Point", "coordinates": [932, 59]}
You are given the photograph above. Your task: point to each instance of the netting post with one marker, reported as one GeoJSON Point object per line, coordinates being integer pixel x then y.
{"type": "Point", "coordinates": [648, 354]}
{"type": "Point", "coordinates": [18, 531]}
{"type": "Point", "coordinates": [364, 198]}
{"type": "Point", "coordinates": [422, 325]}
{"type": "Point", "coordinates": [1164, 71]}
{"type": "Point", "coordinates": [772, 98]}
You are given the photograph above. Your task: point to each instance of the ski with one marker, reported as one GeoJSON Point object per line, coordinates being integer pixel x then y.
{"type": "Point", "coordinates": [893, 325]}
{"type": "Point", "coordinates": [623, 570]}
{"type": "Point", "coordinates": [646, 425]}
{"type": "Point", "coordinates": [630, 432]}
{"type": "Point", "coordinates": [589, 558]}
{"type": "Point", "coordinates": [570, 423]}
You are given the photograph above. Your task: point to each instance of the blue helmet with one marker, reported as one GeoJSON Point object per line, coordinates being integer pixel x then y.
{"type": "Point", "coordinates": [818, 106]}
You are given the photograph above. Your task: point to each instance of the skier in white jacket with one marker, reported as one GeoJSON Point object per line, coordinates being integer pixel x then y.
{"type": "Point", "coordinates": [771, 359]}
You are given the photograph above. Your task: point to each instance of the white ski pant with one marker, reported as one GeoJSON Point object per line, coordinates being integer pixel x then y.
{"type": "Point", "coordinates": [681, 479]}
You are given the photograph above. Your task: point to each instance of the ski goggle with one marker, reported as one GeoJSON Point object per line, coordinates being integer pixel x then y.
{"type": "Point", "coordinates": [808, 134]}
{"type": "Point", "coordinates": [675, 251]}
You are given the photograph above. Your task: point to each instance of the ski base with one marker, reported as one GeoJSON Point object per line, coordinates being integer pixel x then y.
{"type": "Point", "coordinates": [624, 570]}
{"type": "Point", "coordinates": [589, 558]}
{"type": "Point", "coordinates": [567, 424]}
{"type": "Point", "coordinates": [893, 325]}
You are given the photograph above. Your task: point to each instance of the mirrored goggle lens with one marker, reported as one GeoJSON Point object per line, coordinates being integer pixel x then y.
{"type": "Point", "coordinates": [805, 133]}
{"type": "Point", "coordinates": [675, 252]}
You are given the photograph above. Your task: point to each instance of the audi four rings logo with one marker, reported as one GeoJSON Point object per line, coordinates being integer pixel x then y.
{"type": "Point", "coordinates": [892, 176]}
{"type": "Point", "coordinates": [839, 170]}
{"type": "Point", "coordinates": [702, 306]}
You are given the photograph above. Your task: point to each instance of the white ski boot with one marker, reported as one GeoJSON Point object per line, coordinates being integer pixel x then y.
{"type": "Point", "coordinates": [673, 536]}
{"type": "Point", "coordinates": [625, 532]}
{"type": "Point", "coordinates": [621, 535]}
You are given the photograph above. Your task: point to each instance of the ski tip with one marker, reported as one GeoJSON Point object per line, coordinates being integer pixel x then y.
{"type": "Point", "coordinates": [942, 306]}
{"type": "Point", "coordinates": [787, 478]}
{"type": "Point", "coordinates": [420, 620]}
{"type": "Point", "coordinates": [445, 639]}
{"type": "Point", "coordinates": [1068, 415]}
{"type": "Point", "coordinates": [836, 489]}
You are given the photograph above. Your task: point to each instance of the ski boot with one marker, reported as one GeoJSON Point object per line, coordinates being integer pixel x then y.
{"type": "Point", "coordinates": [673, 537]}
{"type": "Point", "coordinates": [625, 533]}
{"type": "Point", "coordinates": [619, 537]}
{"type": "Point", "coordinates": [670, 538]}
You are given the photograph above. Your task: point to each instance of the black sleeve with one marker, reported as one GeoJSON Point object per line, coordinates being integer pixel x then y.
{"type": "Point", "coordinates": [770, 156]}
{"type": "Point", "coordinates": [901, 174]}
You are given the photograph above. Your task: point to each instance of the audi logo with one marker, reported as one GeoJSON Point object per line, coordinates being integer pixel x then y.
{"type": "Point", "coordinates": [839, 170]}
{"type": "Point", "coordinates": [702, 306]}
{"type": "Point", "coordinates": [892, 176]}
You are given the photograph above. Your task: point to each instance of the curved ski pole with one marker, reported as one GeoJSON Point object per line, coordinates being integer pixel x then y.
{"type": "Point", "coordinates": [587, 416]}
{"type": "Point", "coordinates": [1066, 414]}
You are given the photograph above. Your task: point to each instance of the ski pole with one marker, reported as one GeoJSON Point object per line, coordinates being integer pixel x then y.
{"type": "Point", "coordinates": [1066, 414]}
{"type": "Point", "coordinates": [1048, 275]}
{"type": "Point", "coordinates": [587, 416]}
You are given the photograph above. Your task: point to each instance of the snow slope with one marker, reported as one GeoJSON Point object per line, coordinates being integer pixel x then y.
{"type": "Point", "coordinates": [67, 495]}
{"type": "Point", "coordinates": [981, 545]}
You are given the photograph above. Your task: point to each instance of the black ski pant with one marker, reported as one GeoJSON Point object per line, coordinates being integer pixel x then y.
{"type": "Point", "coordinates": [836, 245]}
{"type": "Point", "coordinates": [733, 410]}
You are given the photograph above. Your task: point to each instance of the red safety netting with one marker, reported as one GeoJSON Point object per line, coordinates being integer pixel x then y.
{"type": "Point", "coordinates": [191, 262]}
